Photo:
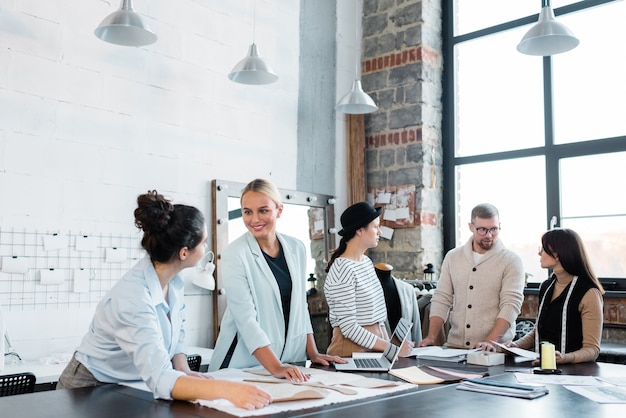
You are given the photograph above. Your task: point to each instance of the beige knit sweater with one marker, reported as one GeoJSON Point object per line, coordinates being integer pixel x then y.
{"type": "Point", "coordinates": [475, 295]}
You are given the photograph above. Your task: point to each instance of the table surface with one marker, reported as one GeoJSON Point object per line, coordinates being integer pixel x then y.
{"type": "Point", "coordinates": [438, 400]}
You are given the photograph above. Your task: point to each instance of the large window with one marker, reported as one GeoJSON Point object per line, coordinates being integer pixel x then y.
{"type": "Point", "coordinates": [542, 138]}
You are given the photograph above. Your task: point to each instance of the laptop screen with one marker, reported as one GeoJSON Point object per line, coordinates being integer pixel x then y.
{"type": "Point", "coordinates": [400, 334]}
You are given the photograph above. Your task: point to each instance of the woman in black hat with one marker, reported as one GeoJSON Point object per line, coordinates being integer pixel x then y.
{"type": "Point", "coordinates": [356, 302]}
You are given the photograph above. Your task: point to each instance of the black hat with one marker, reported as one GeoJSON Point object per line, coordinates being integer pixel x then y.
{"type": "Point", "coordinates": [357, 216]}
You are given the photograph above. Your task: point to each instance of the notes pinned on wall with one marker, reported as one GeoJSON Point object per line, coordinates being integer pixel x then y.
{"type": "Point", "coordinates": [86, 243]}
{"type": "Point", "coordinates": [81, 280]}
{"type": "Point", "coordinates": [51, 276]}
{"type": "Point", "coordinates": [78, 273]}
{"type": "Point", "coordinates": [14, 264]}
{"type": "Point", "coordinates": [115, 255]}
{"type": "Point", "coordinates": [386, 232]}
{"type": "Point", "coordinates": [54, 242]}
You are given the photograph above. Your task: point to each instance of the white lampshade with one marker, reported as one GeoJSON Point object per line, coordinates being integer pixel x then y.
{"type": "Point", "coordinates": [125, 27]}
{"type": "Point", "coordinates": [356, 102]}
{"type": "Point", "coordinates": [253, 69]}
{"type": "Point", "coordinates": [547, 36]}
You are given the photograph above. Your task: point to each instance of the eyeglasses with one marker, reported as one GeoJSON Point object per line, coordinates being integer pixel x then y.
{"type": "Point", "coordinates": [482, 231]}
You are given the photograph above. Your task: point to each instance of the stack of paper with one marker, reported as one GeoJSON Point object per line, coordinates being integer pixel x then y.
{"type": "Point", "coordinates": [438, 353]}
{"type": "Point", "coordinates": [501, 388]}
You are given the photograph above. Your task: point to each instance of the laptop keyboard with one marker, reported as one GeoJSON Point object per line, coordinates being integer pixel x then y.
{"type": "Point", "coordinates": [366, 362]}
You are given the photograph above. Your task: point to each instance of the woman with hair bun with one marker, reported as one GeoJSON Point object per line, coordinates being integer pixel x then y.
{"type": "Point", "coordinates": [137, 330]}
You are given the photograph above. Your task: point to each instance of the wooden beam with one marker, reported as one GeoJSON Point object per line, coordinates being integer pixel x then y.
{"type": "Point", "coordinates": [356, 158]}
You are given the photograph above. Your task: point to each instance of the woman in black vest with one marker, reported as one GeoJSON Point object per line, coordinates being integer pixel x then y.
{"type": "Point", "coordinates": [570, 308]}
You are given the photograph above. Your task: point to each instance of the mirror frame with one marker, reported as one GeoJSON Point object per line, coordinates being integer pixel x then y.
{"type": "Point", "coordinates": [221, 191]}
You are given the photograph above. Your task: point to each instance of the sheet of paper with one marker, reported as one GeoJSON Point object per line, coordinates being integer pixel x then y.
{"type": "Point", "coordinates": [386, 232]}
{"type": "Point", "coordinates": [334, 378]}
{"type": "Point", "coordinates": [383, 198]}
{"type": "Point", "coordinates": [389, 215]}
{"type": "Point", "coordinates": [14, 264]}
{"type": "Point", "coordinates": [81, 280]}
{"type": "Point", "coordinates": [601, 394]}
{"type": "Point", "coordinates": [51, 276]}
{"type": "Point", "coordinates": [517, 351]}
{"type": "Point", "coordinates": [415, 375]}
{"type": "Point", "coordinates": [402, 213]}
{"type": "Point", "coordinates": [86, 243]}
{"type": "Point", "coordinates": [614, 380]}
{"type": "Point", "coordinates": [54, 242]}
{"type": "Point", "coordinates": [115, 255]}
{"type": "Point", "coordinates": [283, 407]}
{"type": "Point", "coordinates": [557, 379]}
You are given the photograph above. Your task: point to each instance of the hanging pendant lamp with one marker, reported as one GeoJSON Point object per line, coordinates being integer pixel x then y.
{"type": "Point", "coordinates": [357, 102]}
{"type": "Point", "coordinates": [547, 36]}
{"type": "Point", "coordinates": [253, 69]}
{"type": "Point", "coordinates": [125, 27]}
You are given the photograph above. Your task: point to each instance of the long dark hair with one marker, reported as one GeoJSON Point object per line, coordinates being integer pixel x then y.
{"type": "Point", "coordinates": [568, 246]}
{"type": "Point", "coordinates": [343, 244]}
{"type": "Point", "coordinates": [167, 227]}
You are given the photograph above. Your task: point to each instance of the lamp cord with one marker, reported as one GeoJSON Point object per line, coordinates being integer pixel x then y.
{"type": "Point", "coordinates": [358, 33]}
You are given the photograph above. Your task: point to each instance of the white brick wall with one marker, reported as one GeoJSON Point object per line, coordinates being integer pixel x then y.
{"type": "Point", "coordinates": [86, 126]}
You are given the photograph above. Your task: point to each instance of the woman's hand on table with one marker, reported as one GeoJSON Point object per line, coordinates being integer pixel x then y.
{"type": "Point", "coordinates": [291, 373]}
{"type": "Point", "coordinates": [325, 359]}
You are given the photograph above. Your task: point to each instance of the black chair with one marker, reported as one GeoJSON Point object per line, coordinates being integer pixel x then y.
{"type": "Point", "coordinates": [15, 384]}
{"type": "Point", "coordinates": [194, 361]}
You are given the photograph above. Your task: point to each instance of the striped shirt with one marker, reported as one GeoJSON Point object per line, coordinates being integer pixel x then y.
{"type": "Point", "coordinates": [355, 298]}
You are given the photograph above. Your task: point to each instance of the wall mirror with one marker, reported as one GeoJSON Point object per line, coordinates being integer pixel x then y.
{"type": "Point", "coordinates": [307, 216]}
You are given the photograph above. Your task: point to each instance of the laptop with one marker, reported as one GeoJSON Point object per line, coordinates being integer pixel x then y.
{"type": "Point", "coordinates": [382, 363]}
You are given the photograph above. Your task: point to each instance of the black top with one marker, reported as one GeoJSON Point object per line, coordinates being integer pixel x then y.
{"type": "Point", "coordinates": [550, 319]}
{"type": "Point", "coordinates": [280, 270]}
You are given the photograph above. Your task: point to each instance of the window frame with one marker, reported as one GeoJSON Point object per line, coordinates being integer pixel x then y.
{"type": "Point", "coordinates": [552, 152]}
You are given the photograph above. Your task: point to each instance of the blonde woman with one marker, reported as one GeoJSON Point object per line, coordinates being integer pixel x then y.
{"type": "Point", "coordinates": [266, 321]}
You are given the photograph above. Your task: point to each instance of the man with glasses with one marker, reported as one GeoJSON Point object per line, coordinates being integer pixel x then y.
{"type": "Point", "coordinates": [480, 288]}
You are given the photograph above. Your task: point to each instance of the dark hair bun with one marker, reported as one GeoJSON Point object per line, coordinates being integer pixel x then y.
{"type": "Point", "coordinates": [153, 212]}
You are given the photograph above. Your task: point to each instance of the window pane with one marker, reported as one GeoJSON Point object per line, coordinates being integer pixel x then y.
{"type": "Point", "coordinates": [517, 188]}
{"type": "Point", "coordinates": [595, 209]}
{"type": "Point", "coordinates": [589, 87]}
{"type": "Point", "coordinates": [604, 242]}
{"type": "Point", "coordinates": [472, 15]}
{"type": "Point", "coordinates": [588, 185]}
{"type": "Point", "coordinates": [499, 96]}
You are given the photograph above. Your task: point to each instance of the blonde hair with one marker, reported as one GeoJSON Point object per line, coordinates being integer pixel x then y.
{"type": "Point", "coordinates": [264, 187]}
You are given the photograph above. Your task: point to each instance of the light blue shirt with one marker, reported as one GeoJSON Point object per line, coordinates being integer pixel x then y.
{"type": "Point", "coordinates": [135, 332]}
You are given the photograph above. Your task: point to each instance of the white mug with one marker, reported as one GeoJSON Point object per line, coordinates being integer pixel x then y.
{"type": "Point", "coordinates": [203, 274]}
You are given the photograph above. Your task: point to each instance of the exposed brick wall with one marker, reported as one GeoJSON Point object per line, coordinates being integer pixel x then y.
{"type": "Point", "coordinates": [401, 70]}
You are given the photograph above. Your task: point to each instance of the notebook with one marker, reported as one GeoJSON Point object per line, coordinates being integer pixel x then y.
{"type": "Point", "coordinates": [378, 364]}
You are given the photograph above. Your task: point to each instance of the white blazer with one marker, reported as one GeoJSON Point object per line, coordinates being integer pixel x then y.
{"type": "Point", "coordinates": [254, 310]}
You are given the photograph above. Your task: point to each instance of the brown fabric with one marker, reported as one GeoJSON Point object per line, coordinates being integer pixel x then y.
{"type": "Point", "coordinates": [344, 347]}
{"type": "Point", "coordinates": [441, 335]}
